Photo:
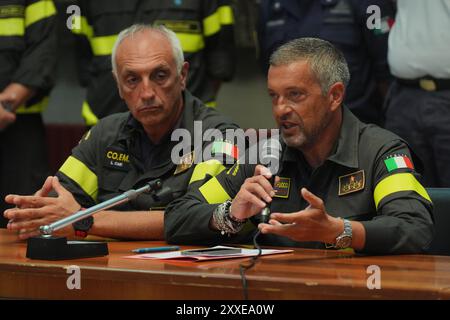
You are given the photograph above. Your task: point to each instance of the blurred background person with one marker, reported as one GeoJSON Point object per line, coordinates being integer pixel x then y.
{"type": "Point", "coordinates": [204, 27]}
{"type": "Point", "coordinates": [27, 63]}
{"type": "Point", "coordinates": [344, 24]}
{"type": "Point", "coordinates": [418, 102]}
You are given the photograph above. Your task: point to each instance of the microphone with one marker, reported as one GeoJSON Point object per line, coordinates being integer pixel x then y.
{"type": "Point", "coordinates": [150, 187]}
{"type": "Point", "coordinates": [270, 157]}
{"type": "Point", "coordinates": [49, 247]}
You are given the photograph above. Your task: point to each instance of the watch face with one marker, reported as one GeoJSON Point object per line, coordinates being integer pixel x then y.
{"type": "Point", "coordinates": [343, 242]}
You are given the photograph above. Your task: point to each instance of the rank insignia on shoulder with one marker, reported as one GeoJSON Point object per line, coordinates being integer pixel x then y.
{"type": "Point", "coordinates": [85, 137]}
{"type": "Point", "coordinates": [185, 163]}
{"type": "Point", "coordinates": [282, 188]}
{"type": "Point", "coordinates": [352, 182]}
{"type": "Point", "coordinates": [398, 161]}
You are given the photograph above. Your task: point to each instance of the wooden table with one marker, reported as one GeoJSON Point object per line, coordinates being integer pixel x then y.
{"type": "Point", "coordinates": [304, 274]}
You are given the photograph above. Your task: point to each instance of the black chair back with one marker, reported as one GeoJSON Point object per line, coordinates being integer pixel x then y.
{"type": "Point", "coordinates": [441, 204]}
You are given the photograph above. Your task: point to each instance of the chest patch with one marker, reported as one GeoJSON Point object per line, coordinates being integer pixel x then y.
{"type": "Point", "coordinates": [186, 162]}
{"type": "Point", "coordinates": [282, 188]}
{"type": "Point", "coordinates": [118, 160]}
{"type": "Point", "coordinates": [352, 182]}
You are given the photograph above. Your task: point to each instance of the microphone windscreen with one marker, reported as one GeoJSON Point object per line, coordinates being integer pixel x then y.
{"type": "Point", "coordinates": [270, 154]}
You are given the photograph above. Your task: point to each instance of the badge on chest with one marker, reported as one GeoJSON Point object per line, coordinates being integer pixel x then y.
{"type": "Point", "coordinates": [282, 188]}
{"type": "Point", "coordinates": [352, 182]}
{"type": "Point", "coordinates": [116, 159]}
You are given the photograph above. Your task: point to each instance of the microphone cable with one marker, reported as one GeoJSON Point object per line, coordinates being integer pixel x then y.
{"type": "Point", "coordinates": [243, 267]}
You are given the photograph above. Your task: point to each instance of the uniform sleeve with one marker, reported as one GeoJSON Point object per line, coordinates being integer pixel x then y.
{"type": "Point", "coordinates": [78, 173]}
{"type": "Point", "coordinates": [187, 218]}
{"type": "Point", "coordinates": [404, 210]}
{"type": "Point", "coordinates": [218, 21]}
{"type": "Point", "coordinates": [377, 39]}
{"type": "Point", "coordinates": [37, 65]}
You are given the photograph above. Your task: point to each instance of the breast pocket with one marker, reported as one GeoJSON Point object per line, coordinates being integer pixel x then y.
{"type": "Point", "coordinates": [109, 183]}
{"type": "Point", "coordinates": [173, 10]}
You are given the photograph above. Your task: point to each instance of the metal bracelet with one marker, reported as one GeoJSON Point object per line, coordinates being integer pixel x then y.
{"type": "Point", "coordinates": [223, 221]}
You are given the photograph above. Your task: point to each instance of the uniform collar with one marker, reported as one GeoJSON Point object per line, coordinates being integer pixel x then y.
{"type": "Point", "coordinates": [346, 153]}
{"type": "Point", "coordinates": [346, 147]}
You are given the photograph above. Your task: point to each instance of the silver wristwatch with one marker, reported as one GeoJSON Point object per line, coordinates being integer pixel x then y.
{"type": "Point", "coordinates": [344, 240]}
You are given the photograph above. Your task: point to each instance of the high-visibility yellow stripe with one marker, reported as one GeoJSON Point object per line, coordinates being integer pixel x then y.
{"type": "Point", "coordinates": [89, 117]}
{"type": "Point", "coordinates": [396, 183]}
{"type": "Point", "coordinates": [211, 167]}
{"type": "Point", "coordinates": [12, 27]}
{"type": "Point", "coordinates": [35, 108]}
{"type": "Point", "coordinates": [81, 174]}
{"type": "Point", "coordinates": [102, 46]}
{"type": "Point", "coordinates": [211, 24]}
{"type": "Point", "coordinates": [213, 192]}
{"type": "Point", "coordinates": [222, 16]}
{"type": "Point", "coordinates": [211, 104]}
{"type": "Point", "coordinates": [225, 15]}
{"type": "Point", "coordinates": [85, 28]}
{"type": "Point", "coordinates": [38, 11]}
{"type": "Point", "coordinates": [191, 42]}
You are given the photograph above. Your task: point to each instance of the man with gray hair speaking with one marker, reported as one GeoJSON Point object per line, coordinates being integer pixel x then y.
{"type": "Point", "coordinates": [126, 150]}
{"type": "Point", "coordinates": [341, 183]}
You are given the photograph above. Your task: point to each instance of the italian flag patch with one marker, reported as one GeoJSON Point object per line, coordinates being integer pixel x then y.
{"type": "Point", "coordinates": [225, 147]}
{"type": "Point", "coordinates": [398, 162]}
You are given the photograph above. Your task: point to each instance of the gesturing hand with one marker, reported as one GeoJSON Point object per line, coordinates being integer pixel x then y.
{"type": "Point", "coordinates": [31, 212]}
{"type": "Point", "coordinates": [311, 224]}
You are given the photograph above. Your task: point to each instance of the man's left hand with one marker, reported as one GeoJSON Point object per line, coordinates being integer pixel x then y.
{"type": "Point", "coordinates": [310, 224]}
{"type": "Point", "coordinates": [31, 212]}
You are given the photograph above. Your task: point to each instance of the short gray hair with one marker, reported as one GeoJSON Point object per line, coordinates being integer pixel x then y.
{"type": "Point", "coordinates": [327, 62]}
{"type": "Point", "coordinates": [136, 28]}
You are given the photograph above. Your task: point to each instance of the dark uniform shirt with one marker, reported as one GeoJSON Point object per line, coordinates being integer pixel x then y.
{"type": "Point", "coordinates": [204, 28]}
{"type": "Point", "coordinates": [344, 24]}
{"type": "Point", "coordinates": [111, 159]}
{"type": "Point", "coordinates": [364, 179]}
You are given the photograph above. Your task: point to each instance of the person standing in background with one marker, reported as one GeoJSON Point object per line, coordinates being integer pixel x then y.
{"type": "Point", "coordinates": [27, 64]}
{"type": "Point", "coordinates": [344, 24]}
{"type": "Point", "coordinates": [418, 103]}
{"type": "Point", "coordinates": [204, 27]}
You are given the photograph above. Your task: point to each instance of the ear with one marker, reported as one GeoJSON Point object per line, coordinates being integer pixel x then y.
{"type": "Point", "coordinates": [336, 95]}
{"type": "Point", "coordinates": [118, 84]}
{"type": "Point", "coordinates": [184, 74]}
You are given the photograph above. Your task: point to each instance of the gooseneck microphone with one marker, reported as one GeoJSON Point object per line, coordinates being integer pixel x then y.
{"type": "Point", "coordinates": [51, 247]}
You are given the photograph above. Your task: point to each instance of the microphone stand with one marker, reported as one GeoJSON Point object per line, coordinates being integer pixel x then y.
{"type": "Point", "coordinates": [49, 247]}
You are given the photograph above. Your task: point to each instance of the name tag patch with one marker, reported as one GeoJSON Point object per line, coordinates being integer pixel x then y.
{"type": "Point", "coordinates": [352, 182]}
{"type": "Point", "coordinates": [282, 188]}
{"type": "Point", "coordinates": [117, 160]}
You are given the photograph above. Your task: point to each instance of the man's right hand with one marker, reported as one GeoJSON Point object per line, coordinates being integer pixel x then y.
{"type": "Point", "coordinates": [6, 117]}
{"type": "Point", "coordinates": [254, 194]}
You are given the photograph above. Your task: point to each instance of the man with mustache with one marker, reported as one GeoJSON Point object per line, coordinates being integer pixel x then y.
{"type": "Point", "coordinates": [341, 183]}
{"type": "Point", "coordinates": [126, 150]}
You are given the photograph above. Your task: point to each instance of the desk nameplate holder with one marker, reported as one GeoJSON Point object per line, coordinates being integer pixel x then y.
{"type": "Point", "coordinates": [49, 247]}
